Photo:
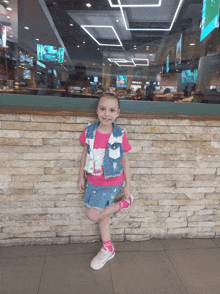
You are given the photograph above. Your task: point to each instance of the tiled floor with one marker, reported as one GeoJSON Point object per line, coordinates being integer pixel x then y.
{"type": "Point", "coordinates": [183, 266]}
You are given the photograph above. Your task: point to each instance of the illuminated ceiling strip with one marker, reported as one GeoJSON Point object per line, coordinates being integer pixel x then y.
{"type": "Point", "coordinates": [135, 5]}
{"type": "Point", "coordinates": [126, 64]}
{"type": "Point", "coordinates": [116, 59]}
{"type": "Point", "coordinates": [169, 29]}
{"type": "Point", "coordinates": [88, 26]}
{"type": "Point", "coordinates": [145, 64]}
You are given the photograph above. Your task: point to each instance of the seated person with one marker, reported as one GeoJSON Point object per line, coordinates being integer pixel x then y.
{"type": "Point", "coordinates": [138, 95]}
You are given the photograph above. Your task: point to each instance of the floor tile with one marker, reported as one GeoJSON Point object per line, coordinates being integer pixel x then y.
{"type": "Point", "coordinates": [144, 272]}
{"type": "Point", "coordinates": [67, 249]}
{"type": "Point", "coordinates": [199, 269]}
{"type": "Point", "coordinates": [21, 275]}
{"type": "Point", "coordinates": [72, 274]}
{"type": "Point", "coordinates": [217, 242]}
{"type": "Point", "coordinates": [138, 246]}
{"type": "Point", "coordinates": [179, 244]}
{"type": "Point", "coordinates": [24, 251]}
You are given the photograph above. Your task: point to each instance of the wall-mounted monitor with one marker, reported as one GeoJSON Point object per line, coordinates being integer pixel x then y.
{"type": "Point", "coordinates": [96, 79]}
{"type": "Point", "coordinates": [210, 17]}
{"type": "Point", "coordinates": [189, 76]}
{"type": "Point", "coordinates": [121, 81]}
{"type": "Point", "coordinates": [27, 74]}
{"type": "Point", "coordinates": [168, 63]}
{"type": "Point", "coordinates": [50, 53]}
{"type": "Point", "coordinates": [179, 50]}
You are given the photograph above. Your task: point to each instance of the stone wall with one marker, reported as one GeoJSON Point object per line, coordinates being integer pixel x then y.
{"type": "Point", "coordinates": [175, 179]}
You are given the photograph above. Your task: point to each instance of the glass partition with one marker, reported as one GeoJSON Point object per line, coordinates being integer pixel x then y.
{"type": "Point", "coordinates": [140, 50]}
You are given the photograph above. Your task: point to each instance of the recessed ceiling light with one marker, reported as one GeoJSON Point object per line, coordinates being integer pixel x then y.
{"type": "Point", "coordinates": [117, 20]}
{"type": "Point", "coordinates": [9, 8]}
{"type": "Point", "coordinates": [97, 48]}
{"type": "Point", "coordinates": [78, 46]}
{"type": "Point", "coordinates": [84, 42]}
{"type": "Point", "coordinates": [71, 24]}
{"type": "Point", "coordinates": [8, 16]}
{"type": "Point", "coordinates": [37, 40]}
{"type": "Point", "coordinates": [6, 1]}
{"type": "Point", "coordinates": [134, 45]}
{"type": "Point", "coordinates": [26, 28]}
{"type": "Point", "coordinates": [192, 44]}
{"type": "Point", "coordinates": [88, 5]}
{"type": "Point", "coordinates": [135, 48]}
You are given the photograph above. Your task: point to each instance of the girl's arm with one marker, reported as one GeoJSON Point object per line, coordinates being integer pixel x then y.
{"type": "Point", "coordinates": [82, 171]}
{"type": "Point", "coordinates": [125, 164]}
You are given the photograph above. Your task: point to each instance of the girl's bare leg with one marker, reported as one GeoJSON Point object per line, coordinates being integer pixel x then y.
{"type": "Point", "coordinates": [96, 214]}
{"type": "Point", "coordinates": [104, 229]}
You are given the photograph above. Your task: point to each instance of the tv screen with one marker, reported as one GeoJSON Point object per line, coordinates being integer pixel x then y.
{"type": "Point", "coordinates": [210, 17]}
{"type": "Point", "coordinates": [121, 80]}
{"type": "Point", "coordinates": [168, 63]}
{"type": "Point", "coordinates": [179, 50]}
{"type": "Point", "coordinates": [27, 74]}
{"type": "Point", "coordinates": [50, 53]}
{"type": "Point", "coordinates": [189, 76]}
{"type": "Point", "coordinates": [96, 79]}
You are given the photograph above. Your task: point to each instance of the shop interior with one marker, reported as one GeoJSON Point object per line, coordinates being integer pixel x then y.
{"type": "Point", "coordinates": [143, 50]}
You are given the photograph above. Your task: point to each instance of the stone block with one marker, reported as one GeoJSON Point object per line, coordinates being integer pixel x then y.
{"type": "Point", "coordinates": [84, 239]}
{"type": "Point", "coordinates": [22, 171]}
{"type": "Point", "coordinates": [205, 225]}
{"type": "Point", "coordinates": [35, 235]}
{"type": "Point", "coordinates": [53, 119]}
{"type": "Point", "coordinates": [18, 142]}
{"type": "Point", "coordinates": [29, 126]}
{"type": "Point", "coordinates": [73, 127]}
{"type": "Point", "coordinates": [118, 238]}
{"type": "Point", "coordinates": [136, 238]}
{"type": "Point", "coordinates": [77, 149]}
{"type": "Point", "coordinates": [51, 156]}
{"type": "Point", "coordinates": [14, 117]}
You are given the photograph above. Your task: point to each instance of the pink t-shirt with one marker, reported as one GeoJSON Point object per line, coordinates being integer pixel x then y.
{"type": "Point", "coordinates": [100, 145]}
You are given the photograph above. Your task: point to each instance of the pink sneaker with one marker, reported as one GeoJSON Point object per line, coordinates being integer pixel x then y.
{"type": "Point", "coordinates": [124, 211]}
{"type": "Point", "coordinates": [102, 257]}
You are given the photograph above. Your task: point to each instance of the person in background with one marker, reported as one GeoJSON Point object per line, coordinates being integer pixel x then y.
{"type": "Point", "coordinates": [187, 92]}
{"type": "Point", "coordinates": [150, 92]}
{"type": "Point", "coordinates": [138, 95]}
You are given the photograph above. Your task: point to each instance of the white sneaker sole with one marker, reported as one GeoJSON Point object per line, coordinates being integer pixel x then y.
{"type": "Point", "coordinates": [99, 267]}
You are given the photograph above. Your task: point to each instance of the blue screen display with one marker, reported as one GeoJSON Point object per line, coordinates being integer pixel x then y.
{"type": "Point", "coordinates": [210, 17]}
{"type": "Point", "coordinates": [168, 63]}
{"type": "Point", "coordinates": [189, 76]}
{"type": "Point", "coordinates": [50, 53]}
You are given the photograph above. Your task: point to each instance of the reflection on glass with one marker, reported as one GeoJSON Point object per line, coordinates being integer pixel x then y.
{"type": "Point", "coordinates": [53, 58]}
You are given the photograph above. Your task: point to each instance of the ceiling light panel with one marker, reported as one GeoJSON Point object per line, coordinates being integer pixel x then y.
{"type": "Point", "coordinates": [140, 62]}
{"type": "Point", "coordinates": [164, 14]}
{"type": "Point", "coordinates": [136, 3]}
{"type": "Point", "coordinates": [125, 63]}
{"type": "Point", "coordinates": [103, 32]}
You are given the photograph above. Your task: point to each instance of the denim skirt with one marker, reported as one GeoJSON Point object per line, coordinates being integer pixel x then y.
{"type": "Point", "coordinates": [100, 197]}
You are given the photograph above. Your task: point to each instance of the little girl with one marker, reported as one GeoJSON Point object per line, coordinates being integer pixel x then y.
{"type": "Point", "coordinates": [105, 159]}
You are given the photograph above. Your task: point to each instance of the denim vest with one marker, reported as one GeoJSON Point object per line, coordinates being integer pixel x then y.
{"type": "Point", "coordinates": [114, 152]}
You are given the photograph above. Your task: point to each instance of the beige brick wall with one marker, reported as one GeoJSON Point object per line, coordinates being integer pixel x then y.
{"type": "Point", "coordinates": [175, 180]}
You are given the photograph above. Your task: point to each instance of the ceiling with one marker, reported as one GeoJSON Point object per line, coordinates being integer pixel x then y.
{"type": "Point", "coordinates": [122, 32]}
{"type": "Point", "coordinates": [126, 31]}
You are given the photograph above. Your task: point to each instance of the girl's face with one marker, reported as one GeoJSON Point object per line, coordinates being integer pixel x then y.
{"type": "Point", "coordinates": [107, 110]}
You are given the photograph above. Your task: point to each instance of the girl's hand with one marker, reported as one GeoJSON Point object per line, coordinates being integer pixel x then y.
{"type": "Point", "coordinates": [82, 185]}
{"type": "Point", "coordinates": [127, 192]}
